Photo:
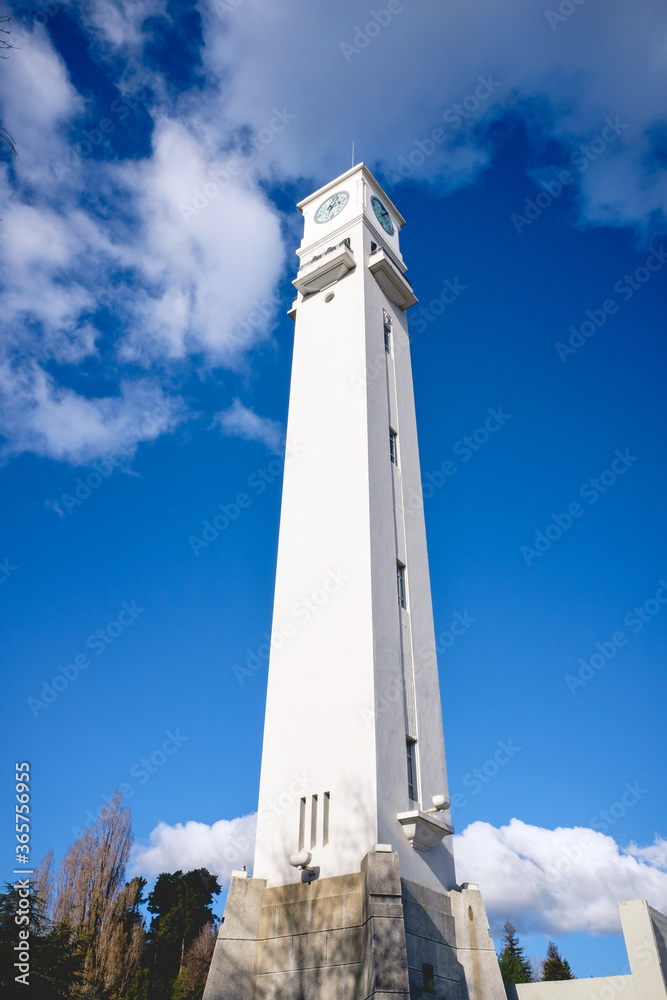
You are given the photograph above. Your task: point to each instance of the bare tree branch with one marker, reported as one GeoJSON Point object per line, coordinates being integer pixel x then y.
{"type": "Point", "coordinates": [5, 33]}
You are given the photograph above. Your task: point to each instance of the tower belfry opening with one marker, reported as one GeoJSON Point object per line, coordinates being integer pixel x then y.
{"type": "Point", "coordinates": [353, 893]}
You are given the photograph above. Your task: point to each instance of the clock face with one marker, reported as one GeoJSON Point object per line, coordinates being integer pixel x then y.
{"type": "Point", "coordinates": [332, 206]}
{"type": "Point", "coordinates": [382, 215]}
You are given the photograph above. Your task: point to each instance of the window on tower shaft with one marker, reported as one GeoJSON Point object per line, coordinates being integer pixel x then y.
{"type": "Point", "coordinates": [393, 446]}
{"type": "Point", "coordinates": [387, 336]}
{"type": "Point", "coordinates": [412, 770]}
{"type": "Point", "coordinates": [400, 584]}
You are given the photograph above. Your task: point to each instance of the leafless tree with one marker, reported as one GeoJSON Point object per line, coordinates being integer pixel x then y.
{"type": "Point", "coordinates": [43, 883]}
{"type": "Point", "coordinates": [93, 898]}
{"type": "Point", "coordinates": [5, 19]}
{"type": "Point", "coordinates": [197, 961]}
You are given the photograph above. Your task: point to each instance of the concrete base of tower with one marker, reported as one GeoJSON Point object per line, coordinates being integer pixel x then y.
{"type": "Point", "coordinates": [365, 936]}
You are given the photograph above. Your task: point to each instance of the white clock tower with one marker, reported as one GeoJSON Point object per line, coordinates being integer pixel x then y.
{"type": "Point", "coordinates": [353, 893]}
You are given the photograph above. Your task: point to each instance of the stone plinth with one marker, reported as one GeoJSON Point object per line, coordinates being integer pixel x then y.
{"type": "Point", "coordinates": [365, 936]}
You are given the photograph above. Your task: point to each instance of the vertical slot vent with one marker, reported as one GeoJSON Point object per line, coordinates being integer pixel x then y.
{"type": "Point", "coordinates": [313, 822]}
{"type": "Point", "coordinates": [325, 818]}
{"type": "Point", "coordinates": [302, 824]}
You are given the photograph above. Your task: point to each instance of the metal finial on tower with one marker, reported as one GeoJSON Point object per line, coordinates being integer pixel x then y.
{"type": "Point", "coordinates": [353, 152]}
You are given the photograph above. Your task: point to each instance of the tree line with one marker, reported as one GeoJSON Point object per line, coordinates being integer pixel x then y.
{"type": "Point", "coordinates": [516, 968]}
{"type": "Point", "coordinates": [88, 937]}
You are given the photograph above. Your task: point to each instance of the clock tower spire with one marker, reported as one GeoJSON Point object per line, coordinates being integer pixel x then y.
{"type": "Point", "coordinates": [353, 892]}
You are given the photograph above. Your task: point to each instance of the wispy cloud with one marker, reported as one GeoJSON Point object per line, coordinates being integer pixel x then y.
{"type": "Point", "coordinates": [107, 263]}
{"type": "Point", "coordinates": [240, 421]}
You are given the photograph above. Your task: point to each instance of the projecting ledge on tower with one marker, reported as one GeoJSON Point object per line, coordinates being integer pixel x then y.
{"type": "Point", "coordinates": [324, 269]}
{"type": "Point", "coordinates": [422, 830]}
{"type": "Point", "coordinates": [395, 285]}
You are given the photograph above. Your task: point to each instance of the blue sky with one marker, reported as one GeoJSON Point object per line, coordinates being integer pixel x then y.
{"type": "Point", "coordinates": [146, 258]}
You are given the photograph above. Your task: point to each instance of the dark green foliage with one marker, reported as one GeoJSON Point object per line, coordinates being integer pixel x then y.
{"type": "Point", "coordinates": [56, 955]}
{"type": "Point", "coordinates": [181, 908]}
{"type": "Point", "coordinates": [514, 966]}
{"type": "Point", "coordinates": [555, 968]}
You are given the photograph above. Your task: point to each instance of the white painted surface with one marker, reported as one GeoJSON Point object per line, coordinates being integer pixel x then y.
{"type": "Point", "coordinates": [645, 932]}
{"type": "Point", "coordinates": [335, 716]}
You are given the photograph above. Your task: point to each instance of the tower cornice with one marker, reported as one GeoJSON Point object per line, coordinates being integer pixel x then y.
{"type": "Point", "coordinates": [359, 168]}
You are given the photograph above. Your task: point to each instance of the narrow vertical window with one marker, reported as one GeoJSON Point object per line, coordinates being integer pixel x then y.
{"type": "Point", "coordinates": [313, 822]}
{"type": "Point", "coordinates": [410, 749]}
{"type": "Point", "coordinates": [387, 336]}
{"type": "Point", "coordinates": [325, 818]}
{"type": "Point", "coordinates": [302, 824]}
{"type": "Point", "coordinates": [400, 584]}
{"type": "Point", "coordinates": [428, 973]}
{"type": "Point", "coordinates": [393, 446]}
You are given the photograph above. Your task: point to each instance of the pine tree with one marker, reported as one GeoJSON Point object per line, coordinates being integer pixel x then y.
{"type": "Point", "coordinates": [555, 968]}
{"type": "Point", "coordinates": [514, 966]}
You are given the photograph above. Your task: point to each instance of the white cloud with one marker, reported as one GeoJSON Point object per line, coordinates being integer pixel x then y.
{"type": "Point", "coordinates": [560, 81]}
{"type": "Point", "coordinates": [558, 881]}
{"type": "Point", "coordinates": [189, 225]}
{"type": "Point", "coordinates": [37, 415]}
{"type": "Point", "coordinates": [220, 847]}
{"type": "Point", "coordinates": [240, 421]}
{"type": "Point", "coordinates": [545, 881]}
{"type": "Point", "coordinates": [208, 251]}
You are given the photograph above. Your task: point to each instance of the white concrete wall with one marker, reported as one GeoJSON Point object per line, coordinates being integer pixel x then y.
{"type": "Point", "coordinates": [601, 988]}
{"type": "Point", "coordinates": [644, 930]}
{"type": "Point", "coordinates": [335, 716]}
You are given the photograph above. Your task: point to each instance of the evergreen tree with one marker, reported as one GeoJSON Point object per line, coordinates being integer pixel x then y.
{"type": "Point", "coordinates": [514, 966]}
{"type": "Point", "coordinates": [181, 908]}
{"type": "Point", "coordinates": [56, 957]}
{"type": "Point", "coordinates": [555, 968]}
